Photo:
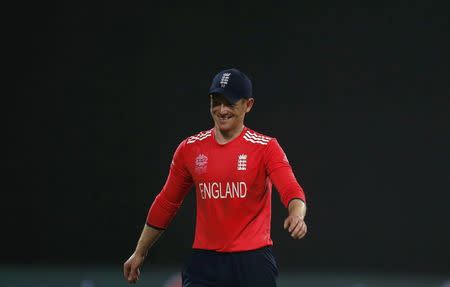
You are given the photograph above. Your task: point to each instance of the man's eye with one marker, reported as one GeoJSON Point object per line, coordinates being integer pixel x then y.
{"type": "Point", "coordinates": [218, 103]}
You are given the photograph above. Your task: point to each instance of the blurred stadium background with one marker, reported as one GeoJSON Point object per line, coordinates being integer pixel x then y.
{"type": "Point", "coordinates": [356, 93]}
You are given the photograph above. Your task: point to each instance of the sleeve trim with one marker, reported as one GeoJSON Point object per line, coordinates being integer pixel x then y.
{"type": "Point", "coordinates": [155, 227]}
{"type": "Point", "coordinates": [295, 198]}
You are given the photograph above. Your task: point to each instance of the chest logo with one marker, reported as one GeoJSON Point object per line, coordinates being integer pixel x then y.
{"type": "Point", "coordinates": [242, 162]}
{"type": "Point", "coordinates": [201, 162]}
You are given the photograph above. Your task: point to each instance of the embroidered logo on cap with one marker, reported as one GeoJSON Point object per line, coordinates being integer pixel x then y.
{"type": "Point", "coordinates": [224, 80]}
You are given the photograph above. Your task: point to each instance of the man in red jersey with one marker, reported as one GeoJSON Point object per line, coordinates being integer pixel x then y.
{"type": "Point", "coordinates": [232, 168]}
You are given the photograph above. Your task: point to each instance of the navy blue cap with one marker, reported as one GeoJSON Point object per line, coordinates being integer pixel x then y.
{"type": "Point", "coordinates": [233, 84]}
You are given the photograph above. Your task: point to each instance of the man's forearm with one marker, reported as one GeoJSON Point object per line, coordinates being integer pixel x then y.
{"type": "Point", "coordinates": [297, 207]}
{"type": "Point", "coordinates": [148, 237]}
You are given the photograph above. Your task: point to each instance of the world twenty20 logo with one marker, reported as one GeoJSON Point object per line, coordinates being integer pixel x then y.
{"type": "Point", "coordinates": [201, 162]}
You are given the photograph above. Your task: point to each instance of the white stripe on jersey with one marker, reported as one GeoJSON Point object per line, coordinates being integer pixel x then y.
{"type": "Point", "coordinates": [259, 135]}
{"type": "Point", "coordinates": [199, 137]}
{"type": "Point", "coordinates": [255, 137]}
{"type": "Point", "coordinates": [254, 141]}
{"type": "Point", "coordinates": [247, 138]}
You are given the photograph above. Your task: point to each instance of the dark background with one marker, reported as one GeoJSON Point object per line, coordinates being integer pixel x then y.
{"type": "Point", "coordinates": [357, 95]}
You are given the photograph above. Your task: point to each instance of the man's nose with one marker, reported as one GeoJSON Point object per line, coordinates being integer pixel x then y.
{"type": "Point", "coordinates": [223, 108]}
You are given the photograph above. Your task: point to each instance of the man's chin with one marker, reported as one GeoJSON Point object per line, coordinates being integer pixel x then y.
{"type": "Point", "coordinates": [224, 128]}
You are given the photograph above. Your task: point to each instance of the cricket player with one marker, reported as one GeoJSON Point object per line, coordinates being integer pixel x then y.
{"type": "Point", "coordinates": [232, 168]}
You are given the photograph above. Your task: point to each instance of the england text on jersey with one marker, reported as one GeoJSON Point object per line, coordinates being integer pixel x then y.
{"type": "Point", "coordinates": [215, 190]}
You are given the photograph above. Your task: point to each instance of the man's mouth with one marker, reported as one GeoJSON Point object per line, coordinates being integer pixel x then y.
{"type": "Point", "coordinates": [224, 118]}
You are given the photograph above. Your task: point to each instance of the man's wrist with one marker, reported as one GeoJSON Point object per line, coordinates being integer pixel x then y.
{"type": "Point", "coordinates": [141, 253]}
{"type": "Point", "coordinates": [297, 208]}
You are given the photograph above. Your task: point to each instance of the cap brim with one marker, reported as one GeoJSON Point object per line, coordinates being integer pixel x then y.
{"type": "Point", "coordinates": [230, 97]}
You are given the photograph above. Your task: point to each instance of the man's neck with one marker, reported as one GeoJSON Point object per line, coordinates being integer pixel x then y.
{"type": "Point", "coordinates": [225, 137]}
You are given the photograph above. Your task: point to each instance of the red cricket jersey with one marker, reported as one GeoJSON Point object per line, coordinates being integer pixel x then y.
{"type": "Point", "coordinates": [233, 184]}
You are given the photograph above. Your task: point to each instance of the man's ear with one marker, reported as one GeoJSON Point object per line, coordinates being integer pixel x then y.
{"type": "Point", "coordinates": [250, 103]}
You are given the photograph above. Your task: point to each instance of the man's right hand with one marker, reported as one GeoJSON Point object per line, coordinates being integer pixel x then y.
{"type": "Point", "coordinates": [131, 267]}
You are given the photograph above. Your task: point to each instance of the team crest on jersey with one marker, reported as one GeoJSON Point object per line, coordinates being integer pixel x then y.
{"type": "Point", "coordinates": [242, 162]}
{"type": "Point", "coordinates": [201, 162]}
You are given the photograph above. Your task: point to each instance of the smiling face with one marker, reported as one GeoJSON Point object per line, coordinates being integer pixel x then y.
{"type": "Point", "coordinates": [229, 117]}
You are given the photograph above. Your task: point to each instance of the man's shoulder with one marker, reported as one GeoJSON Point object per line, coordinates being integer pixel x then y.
{"type": "Point", "coordinates": [198, 137]}
{"type": "Point", "coordinates": [255, 137]}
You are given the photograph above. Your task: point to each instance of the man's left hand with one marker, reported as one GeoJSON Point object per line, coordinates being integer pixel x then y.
{"type": "Point", "coordinates": [295, 225]}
